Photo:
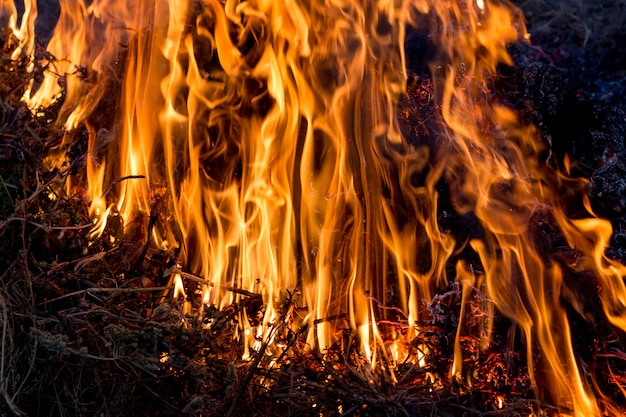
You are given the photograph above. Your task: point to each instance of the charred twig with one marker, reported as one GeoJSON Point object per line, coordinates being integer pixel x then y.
{"type": "Point", "coordinates": [6, 190]}
{"type": "Point", "coordinates": [5, 319]}
{"type": "Point", "coordinates": [146, 246]}
{"type": "Point", "coordinates": [43, 227]}
{"type": "Point", "coordinates": [80, 261]}
{"type": "Point", "coordinates": [351, 410]}
{"type": "Point", "coordinates": [107, 291]}
{"type": "Point", "coordinates": [14, 408]}
{"type": "Point", "coordinates": [203, 281]}
{"type": "Point", "coordinates": [257, 361]}
{"type": "Point", "coordinates": [4, 341]}
{"type": "Point", "coordinates": [117, 181]}
{"type": "Point", "coordinates": [330, 318]}
{"type": "Point", "coordinates": [4, 377]}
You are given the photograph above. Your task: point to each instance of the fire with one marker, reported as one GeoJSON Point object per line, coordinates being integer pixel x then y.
{"type": "Point", "coordinates": [25, 33]}
{"type": "Point", "coordinates": [264, 136]}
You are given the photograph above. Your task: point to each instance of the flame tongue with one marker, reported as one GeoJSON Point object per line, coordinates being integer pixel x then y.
{"type": "Point", "coordinates": [498, 177]}
{"type": "Point", "coordinates": [25, 33]}
{"type": "Point", "coordinates": [282, 163]}
{"type": "Point", "coordinates": [267, 132]}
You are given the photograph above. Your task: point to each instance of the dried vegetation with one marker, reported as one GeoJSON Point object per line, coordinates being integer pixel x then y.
{"type": "Point", "coordinates": [89, 326]}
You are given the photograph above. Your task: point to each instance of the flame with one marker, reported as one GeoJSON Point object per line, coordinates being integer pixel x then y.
{"type": "Point", "coordinates": [24, 32]}
{"type": "Point", "coordinates": [265, 134]}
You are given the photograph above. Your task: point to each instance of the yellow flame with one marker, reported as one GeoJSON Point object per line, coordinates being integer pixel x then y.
{"type": "Point", "coordinates": [265, 133]}
{"type": "Point", "coordinates": [467, 282]}
{"type": "Point", "coordinates": [498, 178]}
{"type": "Point", "coordinates": [179, 288]}
{"type": "Point", "coordinates": [499, 402]}
{"type": "Point", "coordinates": [24, 31]}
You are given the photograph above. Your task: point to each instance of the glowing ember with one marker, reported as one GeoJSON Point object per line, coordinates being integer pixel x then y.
{"type": "Point", "coordinates": [266, 134]}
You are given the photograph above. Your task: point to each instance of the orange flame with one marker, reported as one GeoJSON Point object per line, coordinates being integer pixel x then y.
{"type": "Point", "coordinates": [266, 131]}
{"type": "Point", "coordinates": [25, 31]}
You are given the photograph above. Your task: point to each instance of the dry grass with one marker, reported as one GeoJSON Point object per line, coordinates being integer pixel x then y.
{"type": "Point", "coordinates": [82, 335]}
{"type": "Point", "coordinates": [595, 27]}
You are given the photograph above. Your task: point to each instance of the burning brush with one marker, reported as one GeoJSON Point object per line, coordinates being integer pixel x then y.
{"type": "Point", "coordinates": [262, 202]}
